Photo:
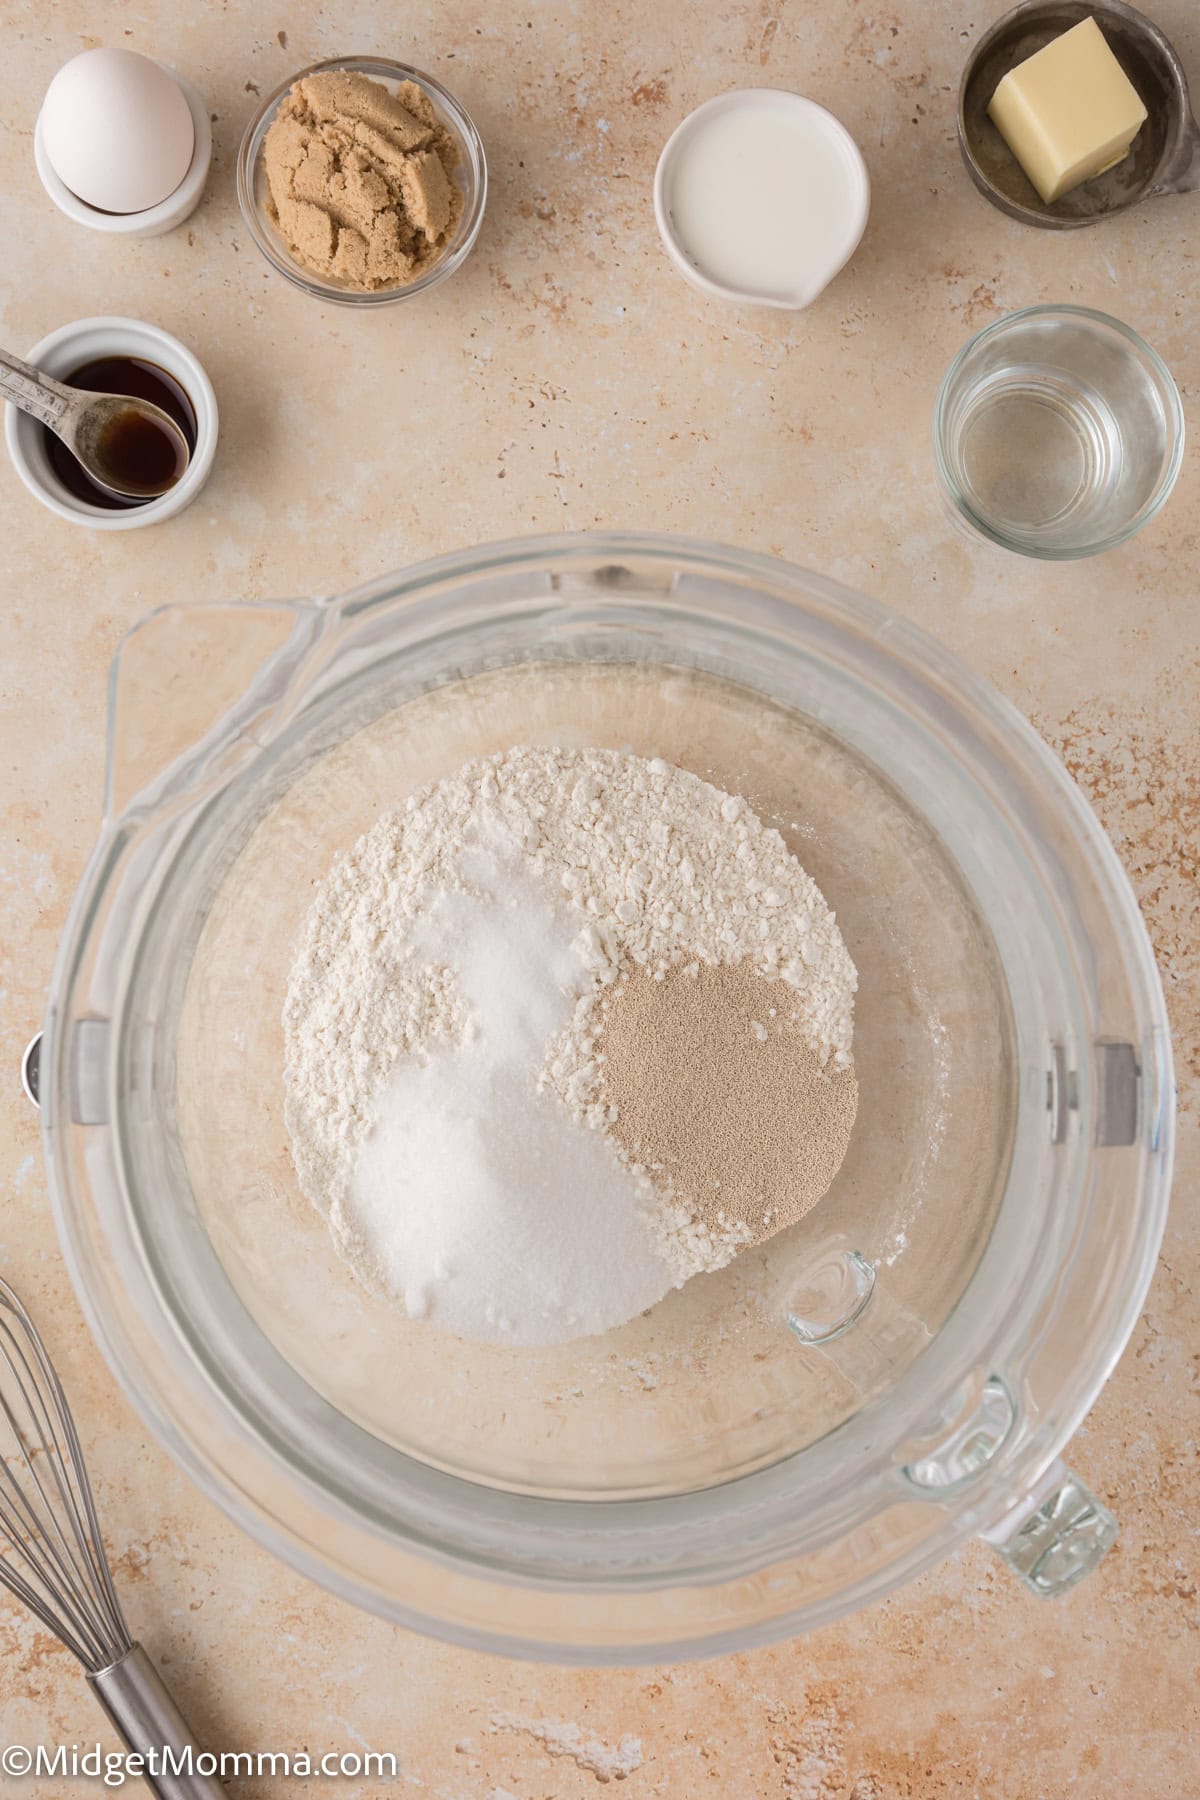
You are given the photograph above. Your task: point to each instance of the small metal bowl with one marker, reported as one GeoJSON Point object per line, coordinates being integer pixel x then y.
{"type": "Point", "coordinates": [1164, 158]}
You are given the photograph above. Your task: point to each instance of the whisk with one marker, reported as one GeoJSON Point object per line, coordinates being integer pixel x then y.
{"type": "Point", "coordinates": [52, 1558]}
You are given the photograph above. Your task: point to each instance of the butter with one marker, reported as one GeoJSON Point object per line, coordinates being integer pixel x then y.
{"type": "Point", "coordinates": [1068, 112]}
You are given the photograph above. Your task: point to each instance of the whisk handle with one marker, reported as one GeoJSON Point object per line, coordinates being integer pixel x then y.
{"type": "Point", "coordinates": [145, 1716]}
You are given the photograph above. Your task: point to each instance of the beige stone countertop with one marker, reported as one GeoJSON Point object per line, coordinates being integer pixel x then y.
{"type": "Point", "coordinates": [566, 378]}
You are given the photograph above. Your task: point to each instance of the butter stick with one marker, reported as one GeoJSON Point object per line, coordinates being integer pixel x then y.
{"type": "Point", "coordinates": [1068, 112]}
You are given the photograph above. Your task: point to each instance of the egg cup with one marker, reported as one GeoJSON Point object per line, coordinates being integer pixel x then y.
{"type": "Point", "coordinates": [153, 220]}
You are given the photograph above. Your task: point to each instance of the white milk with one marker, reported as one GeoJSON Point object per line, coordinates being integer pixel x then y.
{"type": "Point", "coordinates": [766, 193]}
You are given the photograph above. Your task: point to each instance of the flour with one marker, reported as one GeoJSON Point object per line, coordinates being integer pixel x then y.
{"type": "Point", "coordinates": [603, 861]}
{"type": "Point", "coordinates": [560, 1737]}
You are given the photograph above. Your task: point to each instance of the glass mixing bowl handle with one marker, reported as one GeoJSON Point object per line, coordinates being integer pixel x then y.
{"type": "Point", "coordinates": [1056, 1535]}
{"type": "Point", "coordinates": [191, 685]}
{"type": "Point", "coordinates": [1056, 1531]}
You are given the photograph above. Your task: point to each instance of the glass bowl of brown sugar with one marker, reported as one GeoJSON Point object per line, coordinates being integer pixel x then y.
{"type": "Point", "coordinates": [362, 181]}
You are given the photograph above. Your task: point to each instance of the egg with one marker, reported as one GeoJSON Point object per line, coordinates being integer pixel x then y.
{"type": "Point", "coordinates": [117, 130]}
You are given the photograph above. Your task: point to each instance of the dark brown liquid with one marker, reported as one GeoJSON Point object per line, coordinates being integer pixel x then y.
{"type": "Point", "coordinates": [134, 450]}
{"type": "Point", "coordinates": [139, 456]}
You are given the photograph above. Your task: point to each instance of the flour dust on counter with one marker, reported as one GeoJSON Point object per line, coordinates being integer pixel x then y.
{"type": "Point", "coordinates": [568, 1029]}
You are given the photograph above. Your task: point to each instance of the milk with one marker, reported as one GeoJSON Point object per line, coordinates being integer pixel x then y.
{"type": "Point", "coordinates": [765, 193]}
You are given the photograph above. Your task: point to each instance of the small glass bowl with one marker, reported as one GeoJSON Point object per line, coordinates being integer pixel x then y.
{"type": "Point", "coordinates": [470, 176]}
{"type": "Point", "coordinates": [1057, 432]}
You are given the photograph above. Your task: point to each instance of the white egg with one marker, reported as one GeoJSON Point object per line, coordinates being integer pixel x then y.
{"type": "Point", "coordinates": [117, 130]}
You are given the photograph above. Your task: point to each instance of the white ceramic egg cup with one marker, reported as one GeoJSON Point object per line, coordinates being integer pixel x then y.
{"type": "Point", "coordinates": [153, 220]}
{"type": "Point", "coordinates": [68, 349]}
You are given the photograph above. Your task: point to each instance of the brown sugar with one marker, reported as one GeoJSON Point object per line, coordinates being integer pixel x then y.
{"type": "Point", "coordinates": [718, 1095]}
{"type": "Point", "coordinates": [359, 179]}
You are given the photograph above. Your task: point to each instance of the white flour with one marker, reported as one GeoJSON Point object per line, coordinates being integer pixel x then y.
{"type": "Point", "coordinates": [442, 1009]}
{"type": "Point", "coordinates": [561, 1737]}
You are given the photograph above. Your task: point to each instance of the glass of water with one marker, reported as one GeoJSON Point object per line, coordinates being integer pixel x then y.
{"type": "Point", "coordinates": [1058, 432]}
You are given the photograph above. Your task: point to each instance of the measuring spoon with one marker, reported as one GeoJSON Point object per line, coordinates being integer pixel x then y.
{"type": "Point", "coordinates": [127, 446]}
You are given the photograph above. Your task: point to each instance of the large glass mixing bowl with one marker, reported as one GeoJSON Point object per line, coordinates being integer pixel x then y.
{"type": "Point", "coordinates": [775, 1443]}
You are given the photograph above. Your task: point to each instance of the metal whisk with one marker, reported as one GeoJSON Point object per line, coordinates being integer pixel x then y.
{"type": "Point", "coordinates": [52, 1558]}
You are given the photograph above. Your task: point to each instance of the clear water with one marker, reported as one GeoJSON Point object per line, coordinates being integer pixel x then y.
{"type": "Point", "coordinates": [1038, 455]}
{"type": "Point", "coordinates": [1056, 437]}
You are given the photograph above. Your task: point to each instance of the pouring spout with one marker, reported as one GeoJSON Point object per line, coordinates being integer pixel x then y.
{"type": "Point", "coordinates": [192, 682]}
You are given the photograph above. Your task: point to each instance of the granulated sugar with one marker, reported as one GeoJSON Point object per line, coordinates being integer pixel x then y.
{"type": "Point", "coordinates": [477, 1197]}
{"type": "Point", "coordinates": [444, 1075]}
{"type": "Point", "coordinates": [710, 1083]}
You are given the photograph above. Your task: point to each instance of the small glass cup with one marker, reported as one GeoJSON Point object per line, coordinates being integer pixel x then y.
{"type": "Point", "coordinates": [470, 176]}
{"type": "Point", "coordinates": [1057, 432]}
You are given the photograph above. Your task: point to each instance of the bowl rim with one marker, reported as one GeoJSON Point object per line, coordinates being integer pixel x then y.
{"type": "Point", "coordinates": [133, 337]}
{"type": "Point", "coordinates": [266, 237]}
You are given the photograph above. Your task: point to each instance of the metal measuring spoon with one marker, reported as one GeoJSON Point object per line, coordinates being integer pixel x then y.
{"type": "Point", "coordinates": [105, 433]}
{"type": "Point", "coordinates": [1164, 157]}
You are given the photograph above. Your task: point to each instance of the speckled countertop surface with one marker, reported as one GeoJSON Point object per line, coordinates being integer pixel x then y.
{"type": "Point", "coordinates": [567, 378]}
